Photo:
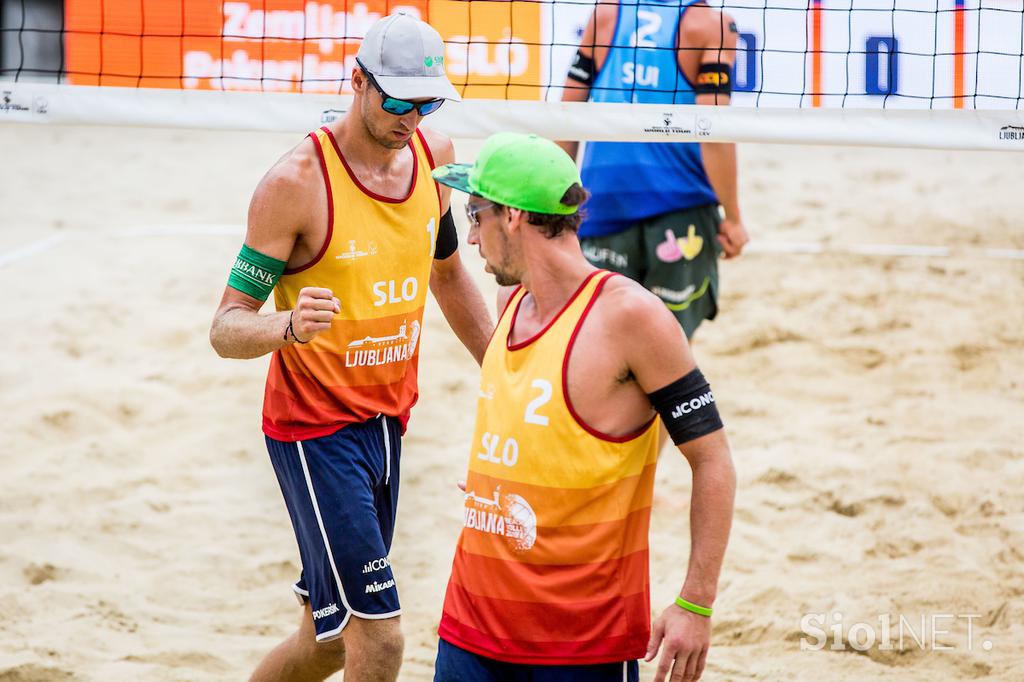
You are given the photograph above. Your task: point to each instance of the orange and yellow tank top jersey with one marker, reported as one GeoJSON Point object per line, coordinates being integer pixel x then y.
{"type": "Point", "coordinates": [551, 566]}
{"type": "Point", "coordinates": [376, 259]}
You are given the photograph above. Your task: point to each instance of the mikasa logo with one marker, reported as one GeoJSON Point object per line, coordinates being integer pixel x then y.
{"type": "Point", "coordinates": [325, 611]}
{"type": "Point", "coordinates": [693, 405]}
{"type": "Point", "coordinates": [379, 587]}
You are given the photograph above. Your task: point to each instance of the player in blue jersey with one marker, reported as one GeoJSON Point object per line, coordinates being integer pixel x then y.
{"type": "Point", "coordinates": [654, 213]}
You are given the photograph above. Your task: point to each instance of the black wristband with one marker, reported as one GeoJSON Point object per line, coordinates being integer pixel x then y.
{"type": "Point", "coordinates": [687, 406]}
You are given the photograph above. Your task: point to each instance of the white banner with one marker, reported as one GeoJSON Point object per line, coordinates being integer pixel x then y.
{"type": "Point", "coordinates": [71, 104]}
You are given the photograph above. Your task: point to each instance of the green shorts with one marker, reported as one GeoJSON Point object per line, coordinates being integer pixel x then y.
{"type": "Point", "coordinates": [674, 255]}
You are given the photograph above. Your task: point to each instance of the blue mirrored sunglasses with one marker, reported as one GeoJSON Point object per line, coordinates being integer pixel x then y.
{"type": "Point", "coordinates": [400, 107]}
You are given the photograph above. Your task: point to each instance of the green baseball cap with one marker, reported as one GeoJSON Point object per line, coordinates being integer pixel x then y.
{"type": "Point", "coordinates": [527, 172]}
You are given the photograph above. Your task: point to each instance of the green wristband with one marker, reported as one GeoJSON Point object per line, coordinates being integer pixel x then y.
{"type": "Point", "coordinates": [255, 273]}
{"type": "Point", "coordinates": [693, 608]}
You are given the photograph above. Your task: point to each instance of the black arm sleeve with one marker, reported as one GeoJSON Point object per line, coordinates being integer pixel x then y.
{"type": "Point", "coordinates": [447, 237]}
{"type": "Point", "coordinates": [582, 69]}
{"type": "Point", "coordinates": [687, 406]}
{"type": "Point", "coordinates": [714, 79]}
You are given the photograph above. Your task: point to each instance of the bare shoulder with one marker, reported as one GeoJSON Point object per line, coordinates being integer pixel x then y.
{"type": "Point", "coordinates": [626, 302]}
{"type": "Point", "coordinates": [606, 12]}
{"type": "Point", "coordinates": [607, 7]}
{"type": "Point", "coordinates": [296, 171]}
{"type": "Point", "coordinates": [284, 200]}
{"type": "Point", "coordinates": [440, 145]}
{"type": "Point", "coordinates": [703, 25]}
{"type": "Point", "coordinates": [644, 334]}
{"type": "Point", "coordinates": [600, 29]}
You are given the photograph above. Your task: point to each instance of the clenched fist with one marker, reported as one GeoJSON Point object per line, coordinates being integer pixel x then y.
{"type": "Point", "coordinates": [314, 311]}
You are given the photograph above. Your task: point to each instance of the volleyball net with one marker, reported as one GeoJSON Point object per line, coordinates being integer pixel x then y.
{"type": "Point", "coordinates": [922, 73]}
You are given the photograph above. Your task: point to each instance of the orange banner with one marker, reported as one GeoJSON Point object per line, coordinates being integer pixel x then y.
{"type": "Point", "coordinates": [263, 45]}
{"type": "Point", "coordinates": [493, 50]}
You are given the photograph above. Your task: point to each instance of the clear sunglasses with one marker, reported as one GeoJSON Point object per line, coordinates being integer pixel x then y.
{"type": "Point", "coordinates": [473, 211]}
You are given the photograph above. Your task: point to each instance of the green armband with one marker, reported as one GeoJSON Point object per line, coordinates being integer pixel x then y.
{"type": "Point", "coordinates": [255, 273]}
{"type": "Point", "coordinates": [693, 608]}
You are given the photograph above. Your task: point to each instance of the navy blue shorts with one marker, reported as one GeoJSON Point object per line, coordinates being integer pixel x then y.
{"type": "Point", "coordinates": [458, 665]}
{"type": "Point", "coordinates": [341, 492]}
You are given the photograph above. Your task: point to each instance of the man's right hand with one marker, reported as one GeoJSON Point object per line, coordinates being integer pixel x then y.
{"type": "Point", "coordinates": [314, 311]}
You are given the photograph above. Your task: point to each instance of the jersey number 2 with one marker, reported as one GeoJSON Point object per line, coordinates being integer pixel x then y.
{"type": "Point", "coordinates": [649, 23]}
{"type": "Point", "coordinates": [531, 416]}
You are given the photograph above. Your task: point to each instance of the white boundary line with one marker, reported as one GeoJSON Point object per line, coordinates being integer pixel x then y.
{"type": "Point", "coordinates": [756, 246]}
{"type": "Point", "coordinates": [883, 250]}
{"type": "Point", "coordinates": [31, 249]}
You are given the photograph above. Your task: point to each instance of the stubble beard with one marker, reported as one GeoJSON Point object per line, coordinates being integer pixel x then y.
{"type": "Point", "coordinates": [504, 279]}
{"type": "Point", "coordinates": [378, 137]}
{"type": "Point", "coordinates": [503, 274]}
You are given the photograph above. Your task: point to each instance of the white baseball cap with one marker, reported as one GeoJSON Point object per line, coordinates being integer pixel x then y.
{"type": "Point", "coordinates": [406, 57]}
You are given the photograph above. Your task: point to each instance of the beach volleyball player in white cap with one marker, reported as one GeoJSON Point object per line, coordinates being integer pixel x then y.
{"type": "Point", "coordinates": [348, 230]}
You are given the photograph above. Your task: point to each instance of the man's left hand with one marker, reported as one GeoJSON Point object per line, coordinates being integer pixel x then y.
{"type": "Point", "coordinates": [686, 637]}
{"type": "Point", "coordinates": [732, 235]}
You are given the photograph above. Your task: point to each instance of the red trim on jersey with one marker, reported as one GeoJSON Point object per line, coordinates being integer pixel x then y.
{"type": "Point", "coordinates": [330, 209]}
{"type": "Point", "coordinates": [508, 302]}
{"type": "Point", "coordinates": [565, 379]}
{"type": "Point", "coordinates": [501, 315]}
{"type": "Point", "coordinates": [362, 187]}
{"type": "Point", "coordinates": [430, 160]}
{"type": "Point", "coordinates": [511, 326]}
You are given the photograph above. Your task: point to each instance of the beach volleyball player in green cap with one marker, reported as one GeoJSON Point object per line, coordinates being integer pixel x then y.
{"type": "Point", "coordinates": [550, 578]}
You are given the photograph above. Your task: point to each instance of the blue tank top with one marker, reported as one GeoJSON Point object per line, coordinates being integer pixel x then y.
{"type": "Point", "coordinates": [632, 181]}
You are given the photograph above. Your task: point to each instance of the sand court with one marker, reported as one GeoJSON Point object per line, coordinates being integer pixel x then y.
{"type": "Point", "coordinates": [875, 406]}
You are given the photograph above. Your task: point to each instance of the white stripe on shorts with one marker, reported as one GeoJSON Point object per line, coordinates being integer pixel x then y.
{"type": "Point", "coordinates": [330, 556]}
{"type": "Point", "coordinates": [387, 449]}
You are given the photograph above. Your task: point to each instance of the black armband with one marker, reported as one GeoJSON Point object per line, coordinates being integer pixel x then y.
{"type": "Point", "coordinates": [714, 79]}
{"type": "Point", "coordinates": [447, 237]}
{"type": "Point", "coordinates": [687, 406]}
{"type": "Point", "coordinates": [582, 69]}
